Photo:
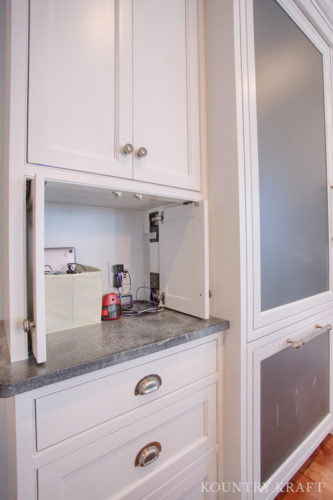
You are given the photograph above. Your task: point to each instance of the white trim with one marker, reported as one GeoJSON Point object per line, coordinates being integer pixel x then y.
{"type": "Point", "coordinates": [14, 283]}
{"type": "Point", "coordinates": [244, 189]}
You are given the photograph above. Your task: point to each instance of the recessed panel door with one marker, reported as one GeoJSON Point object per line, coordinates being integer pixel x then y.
{"type": "Point", "coordinates": [80, 78]}
{"type": "Point", "coordinates": [166, 93]}
{"type": "Point", "coordinates": [35, 269]}
{"type": "Point", "coordinates": [291, 159]}
{"type": "Point", "coordinates": [184, 258]}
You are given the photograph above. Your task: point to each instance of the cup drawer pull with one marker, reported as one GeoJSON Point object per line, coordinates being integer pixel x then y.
{"type": "Point", "coordinates": [148, 384]}
{"type": "Point", "coordinates": [148, 454]}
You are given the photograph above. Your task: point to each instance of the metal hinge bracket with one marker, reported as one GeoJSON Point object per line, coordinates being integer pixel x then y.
{"type": "Point", "coordinates": [158, 219]}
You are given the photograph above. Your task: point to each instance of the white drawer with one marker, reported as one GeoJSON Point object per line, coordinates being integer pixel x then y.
{"type": "Point", "coordinates": [186, 431]}
{"type": "Point", "coordinates": [196, 482]}
{"type": "Point", "coordinates": [66, 413]}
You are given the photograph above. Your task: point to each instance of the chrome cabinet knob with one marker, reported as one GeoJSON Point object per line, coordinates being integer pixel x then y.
{"type": "Point", "coordinates": [142, 152]}
{"type": "Point", "coordinates": [28, 325]}
{"type": "Point", "coordinates": [148, 454]}
{"type": "Point", "coordinates": [148, 384]}
{"type": "Point", "coordinates": [127, 149]}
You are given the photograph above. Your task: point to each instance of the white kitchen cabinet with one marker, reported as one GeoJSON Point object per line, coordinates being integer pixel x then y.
{"type": "Point", "coordinates": [106, 74]}
{"type": "Point", "coordinates": [100, 460]}
{"type": "Point", "coordinates": [270, 183]}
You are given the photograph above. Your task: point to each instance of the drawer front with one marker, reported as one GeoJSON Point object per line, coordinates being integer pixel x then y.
{"type": "Point", "coordinates": [291, 404]}
{"type": "Point", "coordinates": [294, 399]}
{"type": "Point", "coordinates": [184, 431]}
{"type": "Point", "coordinates": [197, 482]}
{"type": "Point", "coordinates": [66, 413]}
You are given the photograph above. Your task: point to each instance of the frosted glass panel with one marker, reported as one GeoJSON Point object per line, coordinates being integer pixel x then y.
{"type": "Point", "coordinates": [292, 159]}
{"type": "Point", "coordinates": [294, 399]}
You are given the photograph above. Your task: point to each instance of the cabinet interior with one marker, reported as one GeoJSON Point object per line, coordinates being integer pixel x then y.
{"type": "Point", "coordinates": [106, 227]}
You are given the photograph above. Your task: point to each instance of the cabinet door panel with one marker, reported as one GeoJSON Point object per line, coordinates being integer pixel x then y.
{"type": "Point", "coordinates": [79, 111]}
{"type": "Point", "coordinates": [184, 258]}
{"type": "Point", "coordinates": [290, 405]}
{"type": "Point", "coordinates": [290, 166]}
{"type": "Point", "coordinates": [294, 400]}
{"type": "Point", "coordinates": [35, 272]}
{"type": "Point", "coordinates": [165, 94]}
{"type": "Point", "coordinates": [292, 159]}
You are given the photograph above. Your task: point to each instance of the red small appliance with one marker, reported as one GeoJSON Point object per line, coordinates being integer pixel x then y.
{"type": "Point", "coordinates": [111, 308]}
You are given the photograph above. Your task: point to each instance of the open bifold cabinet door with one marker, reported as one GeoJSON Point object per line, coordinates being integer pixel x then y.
{"type": "Point", "coordinates": [177, 247]}
{"type": "Point", "coordinates": [35, 324]}
{"type": "Point", "coordinates": [183, 258]}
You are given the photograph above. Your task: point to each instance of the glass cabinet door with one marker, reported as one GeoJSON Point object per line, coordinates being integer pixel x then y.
{"type": "Point", "coordinates": [290, 407]}
{"type": "Point", "coordinates": [290, 192]}
{"type": "Point", "coordinates": [294, 399]}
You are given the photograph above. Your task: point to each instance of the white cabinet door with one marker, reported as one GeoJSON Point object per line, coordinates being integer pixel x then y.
{"type": "Point", "coordinates": [103, 74]}
{"type": "Point", "coordinates": [37, 332]}
{"type": "Point", "coordinates": [165, 92]}
{"type": "Point", "coordinates": [184, 258]}
{"type": "Point", "coordinates": [289, 162]}
{"type": "Point", "coordinates": [290, 405]}
{"type": "Point", "coordinates": [80, 95]}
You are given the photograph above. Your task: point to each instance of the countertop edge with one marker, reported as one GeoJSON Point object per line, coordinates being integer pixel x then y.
{"type": "Point", "coordinates": [10, 390]}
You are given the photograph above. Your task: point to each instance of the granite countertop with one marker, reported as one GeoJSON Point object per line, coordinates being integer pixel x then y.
{"type": "Point", "coordinates": [82, 350]}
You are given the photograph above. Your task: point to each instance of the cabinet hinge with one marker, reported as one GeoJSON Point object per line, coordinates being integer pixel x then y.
{"type": "Point", "coordinates": [158, 219]}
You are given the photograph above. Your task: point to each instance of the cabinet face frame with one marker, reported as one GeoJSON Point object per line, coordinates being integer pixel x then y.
{"type": "Point", "coordinates": [261, 323]}
{"type": "Point", "coordinates": [258, 351]}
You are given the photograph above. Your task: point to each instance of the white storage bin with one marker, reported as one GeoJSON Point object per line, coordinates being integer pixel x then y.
{"type": "Point", "coordinates": [73, 300]}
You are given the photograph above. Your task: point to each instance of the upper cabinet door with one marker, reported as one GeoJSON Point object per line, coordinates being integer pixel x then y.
{"type": "Point", "coordinates": [80, 74]}
{"type": "Point", "coordinates": [166, 92]}
{"type": "Point", "coordinates": [291, 158]}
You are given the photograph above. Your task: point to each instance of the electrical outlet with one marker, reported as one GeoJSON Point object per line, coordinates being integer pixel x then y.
{"type": "Point", "coordinates": [118, 270]}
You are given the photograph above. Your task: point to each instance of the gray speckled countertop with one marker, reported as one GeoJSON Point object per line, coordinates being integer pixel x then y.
{"type": "Point", "coordinates": [82, 350]}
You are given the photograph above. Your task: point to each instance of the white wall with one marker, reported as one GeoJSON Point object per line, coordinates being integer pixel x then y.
{"type": "Point", "coordinates": [100, 236]}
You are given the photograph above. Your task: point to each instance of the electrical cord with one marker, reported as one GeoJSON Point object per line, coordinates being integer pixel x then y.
{"type": "Point", "coordinates": [140, 312]}
{"type": "Point", "coordinates": [74, 268]}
